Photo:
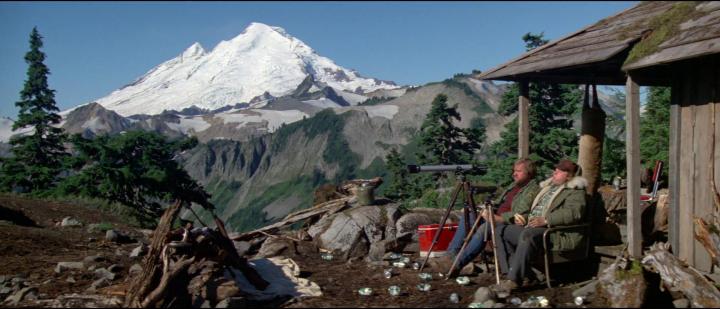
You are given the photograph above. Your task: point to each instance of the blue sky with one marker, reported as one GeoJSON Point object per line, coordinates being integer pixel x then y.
{"type": "Point", "coordinates": [93, 48]}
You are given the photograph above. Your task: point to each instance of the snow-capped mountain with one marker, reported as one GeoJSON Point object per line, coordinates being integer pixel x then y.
{"type": "Point", "coordinates": [263, 61]}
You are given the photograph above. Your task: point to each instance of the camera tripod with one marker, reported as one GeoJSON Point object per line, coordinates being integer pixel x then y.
{"type": "Point", "coordinates": [468, 207]}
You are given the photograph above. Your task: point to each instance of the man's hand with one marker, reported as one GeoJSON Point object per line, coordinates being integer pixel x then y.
{"type": "Point", "coordinates": [537, 222]}
{"type": "Point", "coordinates": [485, 214]}
{"type": "Point", "coordinates": [519, 220]}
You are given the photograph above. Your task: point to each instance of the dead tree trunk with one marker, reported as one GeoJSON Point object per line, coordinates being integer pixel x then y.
{"type": "Point", "coordinates": [622, 284]}
{"type": "Point", "coordinates": [679, 277]}
{"type": "Point", "coordinates": [152, 270]}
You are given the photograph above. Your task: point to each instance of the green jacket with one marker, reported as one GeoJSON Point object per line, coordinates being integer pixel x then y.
{"type": "Point", "coordinates": [568, 207]}
{"type": "Point", "coordinates": [522, 201]}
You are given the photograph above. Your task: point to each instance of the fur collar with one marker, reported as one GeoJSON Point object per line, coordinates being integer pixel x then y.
{"type": "Point", "coordinates": [577, 182]}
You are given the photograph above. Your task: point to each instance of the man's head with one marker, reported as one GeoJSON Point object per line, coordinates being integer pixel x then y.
{"type": "Point", "coordinates": [564, 171]}
{"type": "Point", "coordinates": [523, 170]}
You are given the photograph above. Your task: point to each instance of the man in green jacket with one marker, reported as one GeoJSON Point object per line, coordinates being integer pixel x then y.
{"type": "Point", "coordinates": [561, 202]}
{"type": "Point", "coordinates": [514, 201]}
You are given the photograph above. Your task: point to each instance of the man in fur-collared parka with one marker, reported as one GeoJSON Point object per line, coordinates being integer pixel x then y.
{"type": "Point", "coordinates": [560, 202]}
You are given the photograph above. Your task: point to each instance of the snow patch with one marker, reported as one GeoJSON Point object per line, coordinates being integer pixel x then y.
{"type": "Point", "coordinates": [197, 124]}
{"type": "Point", "coordinates": [273, 118]}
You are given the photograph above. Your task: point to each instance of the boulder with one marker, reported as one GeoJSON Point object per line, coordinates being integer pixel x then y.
{"type": "Point", "coordinates": [70, 222]}
{"type": "Point", "coordinates": [63, 266]}
{"type": "Point", "coordinates": [275, 246]}
{"type": "Point", "coordinates": [483, 294]}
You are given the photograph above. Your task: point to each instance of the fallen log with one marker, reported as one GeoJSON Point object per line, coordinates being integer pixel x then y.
{"type": "Point", "coordinates": [623, 284]}
{"type": "Point", "coordinates": [320, 209]}
{"type": "Point", "coordinates": [679, 277]}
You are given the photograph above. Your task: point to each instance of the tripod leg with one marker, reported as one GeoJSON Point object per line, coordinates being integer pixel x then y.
{"type": "Point", "coordinates": [495, 256]}
{"type": "Point", "coordinates": [442, 224]}
{"type": "Point", "coordinates": [465, 243]}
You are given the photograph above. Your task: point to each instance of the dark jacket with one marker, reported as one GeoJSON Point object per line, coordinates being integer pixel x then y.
{"type": "Point", "coordinates": [568, 207]}
{"type": "Point", "coordinates": [521, 202]}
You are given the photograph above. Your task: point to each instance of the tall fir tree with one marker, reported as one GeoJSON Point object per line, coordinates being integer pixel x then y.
{"type": "Point", "coordinates": [399, 186]}
{"type": "Point", "coordinates": [37, 156]}
{"type": "Point", "coordinates": [442, 142]}
{"type": "Point", "coordinates": [654, 128]}
{"type": "Point", "coordinates": [552, 136]}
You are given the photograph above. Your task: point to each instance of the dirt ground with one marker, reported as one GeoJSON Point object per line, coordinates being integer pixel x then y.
{"type": "Point", "coordinates": [32, 245]}
{"type": "Point", "coordinates": [340, 282]}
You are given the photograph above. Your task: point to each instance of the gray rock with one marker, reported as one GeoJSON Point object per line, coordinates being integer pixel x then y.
{"type": "Point", "coordinates": [112, 235]}
{"type": "Point", "coordinates": [70, 279]}
{"type": "Point", "coordinates": [351, 232]}
{"type": "Point", "coordinates": [25, 293]}
{"type": "Point", "coordinates": [70, 222]}
{"type": "Point", "coordinates": [93, 259]}
{"type": "Point", "coordinates": [489, 303]}
{"type": "Point", "coordinates": [101, 273]}
{"type": "Point", "coordinates": [681, 303]}
{"type": "Point", "coordinates": [115, 268]}
{"type": "Point", "coordinates": [135, 269]}
{"type": "Point", "coordinates": [483, 294]}
{"type": "Point", "coordinates": [242, 247]}
{"type": "Point", "coordinates": [232, 302]}
{"type": "Point", "coordinates": [100, 283]}
{"type": "Point", "coordinates": [585, 290]}
{"type": "Point", "coordinates": [273, 247]}
{"type": "Point", "coordinates": [139, 251]}
{"type": "Point", "coordinates": [63, 266]}
{"type": "Point", "coordinates": [408, 224]}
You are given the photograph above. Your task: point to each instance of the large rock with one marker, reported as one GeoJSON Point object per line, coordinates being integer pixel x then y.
{"type": "Point", "coordinates": [63, 266]}
{"type": "Point", "coordinates": [351, 232]}
{"type": "Point", "coordinates": [70, 222]}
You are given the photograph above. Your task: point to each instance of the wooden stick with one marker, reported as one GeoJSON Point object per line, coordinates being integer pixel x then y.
{"type": "Point", "coordinates": [492, 233]}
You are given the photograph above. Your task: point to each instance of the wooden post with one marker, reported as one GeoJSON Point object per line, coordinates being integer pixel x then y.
{"type": "Point", "coordinates": [523, 122]}
{"type": "Point", "coordinates": [674, 171]}
{"type": "Point", "coordinates": [632, 154]}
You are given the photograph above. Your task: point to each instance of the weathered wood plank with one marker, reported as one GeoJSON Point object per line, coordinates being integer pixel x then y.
{"type": "Point", "coordinates": [693, 35]}
{"type": "Point", "coordinates": [701, 147]}
{"type": "Point", "coordinates": [674, 167]}
{"type": "Point", "coordinates": [523, 120]}
{"type": "Point", "coordinates": [632, 153]}
{"type": "Point", "coordinates": [686, 198]}
{"type": "Point", "coordinates": [590, 57]}
{"type": "Point", "coordinates": [574, 52]}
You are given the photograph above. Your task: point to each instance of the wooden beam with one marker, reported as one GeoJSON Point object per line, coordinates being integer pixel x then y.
{"type": "Point", "coordinates": [674, 170]}
{"type": "Point", "coordinates": [632, 153]}
{"type": "Point", "coordinates": [523, 121]}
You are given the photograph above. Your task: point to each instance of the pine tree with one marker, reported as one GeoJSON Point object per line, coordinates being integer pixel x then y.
{"type": "Point", "coordinates": [37, 156]}
{"type": "Point", "coordinates": [443, 142]}
{"type": "Point", "coordinates": [552, 136]}
{"type": "Point", "coordinates": [398, 185]}
{"type": "Point", "coordinates": [654, 128]}
{"type": "Point", "coordinates": [135, 169]}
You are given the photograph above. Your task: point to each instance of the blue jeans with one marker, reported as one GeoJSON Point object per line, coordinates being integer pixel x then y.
{"type": "Point", "coordinates": [474, 246]}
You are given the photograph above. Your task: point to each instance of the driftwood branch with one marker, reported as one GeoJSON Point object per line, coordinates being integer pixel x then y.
{"type": "Point", "coordinates": [167, 277]}
{"type": "Point", "coordinates": [707, 235]}
{"type": "Point", "coordinates": [321, 209]}
{"type": "Point", "coordinates": [679, 277]}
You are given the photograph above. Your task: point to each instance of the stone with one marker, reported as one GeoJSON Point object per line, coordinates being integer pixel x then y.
{"type": "Point", "coordinates": [351, 232]}
{"type": "Point", "coordinates": [585, 290]}
{"type": "Point", "coordinates": [115, 268]}
{"type": "Point", "coordinates": [135, 269]}
{"type": "Point", "coordinates": [242, 247]}
{"type": "Point", "coordinates": [70, 279]}
{"type": "Point", "coordinates": [70, 222]}
{"type": "Point", "coordinates": [93, 259]}
{"type": "Point", "coordinates": [112, 235]}
{"type": "Point", "coordinates": [233, 302]}
{"type": "Point", "coordinates": [100, 283]}
{"type": "Point", "coordinates": [681, 303]}
{"type": "Point", "coordinates": [139, 251]}
{"type": "Point", "coordinates": [483, 294]}
{"type": "Point", "coordinates": [408, 224]}
{"type": "Point", "coordinates": [274, 247]}
{"type": "Point", "coordinates": [25, 293]}
{"type": "Point", "coordinates": [101, 273]}
{"type": "Point", "coordinates": [63, 266]}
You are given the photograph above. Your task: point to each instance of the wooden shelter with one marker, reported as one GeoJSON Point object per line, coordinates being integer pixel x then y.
{"type": "Point", "coordinates": [675, 44]}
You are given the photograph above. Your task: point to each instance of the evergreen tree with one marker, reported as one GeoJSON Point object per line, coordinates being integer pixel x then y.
{"type": "Point", "coordinates": [444, 143]}
{"type": "Point", "coordinates": [135, 169]}
{"type": "Point", "coordinates": [654, 128]}
{"type": "Point", "coordinates": [37, 157]}
{"type": "Point", "coordinates": [552, 136]}
{"type": "Point", "coordinates": [399, 186]}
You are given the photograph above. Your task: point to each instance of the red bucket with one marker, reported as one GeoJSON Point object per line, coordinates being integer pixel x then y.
{"type": "Point", "coordinates": [426, 234]}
